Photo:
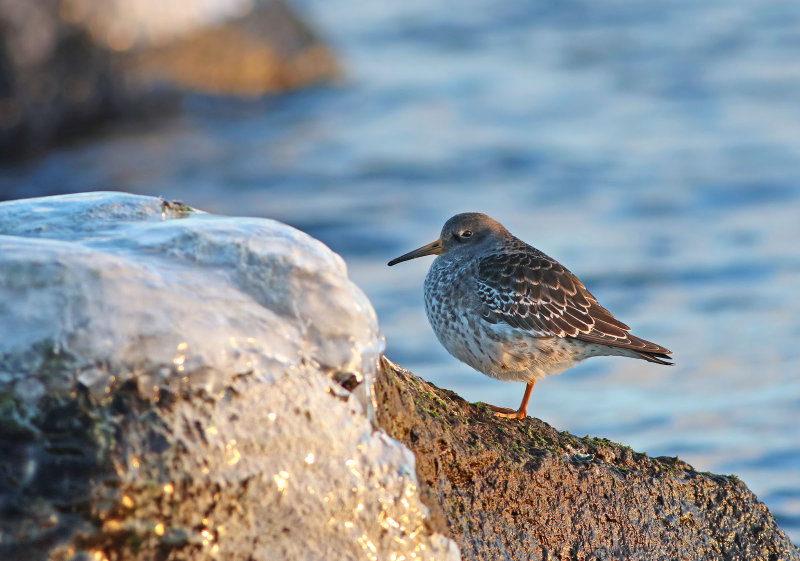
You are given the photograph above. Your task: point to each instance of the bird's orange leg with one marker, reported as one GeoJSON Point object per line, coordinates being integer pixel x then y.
{"type": "Point", "coordinates": [520, 413]}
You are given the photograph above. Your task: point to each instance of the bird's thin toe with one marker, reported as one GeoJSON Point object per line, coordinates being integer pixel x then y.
{"type": "Point", "coordinates": [511, 414]}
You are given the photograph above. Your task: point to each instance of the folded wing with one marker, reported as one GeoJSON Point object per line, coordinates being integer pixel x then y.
{"type": "Point", "coordinates": [528, 290]}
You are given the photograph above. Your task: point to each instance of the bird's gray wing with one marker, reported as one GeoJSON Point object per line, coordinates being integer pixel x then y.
{"type": "Point", "coordinates": [528, 290]}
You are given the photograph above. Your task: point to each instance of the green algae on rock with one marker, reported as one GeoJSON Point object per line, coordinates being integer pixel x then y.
{"type": "Point", "coordinates": [522, 490]}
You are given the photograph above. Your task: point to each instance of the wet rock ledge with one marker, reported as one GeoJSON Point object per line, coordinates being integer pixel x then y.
{"type": "Point", "coordinates": [525, 491]}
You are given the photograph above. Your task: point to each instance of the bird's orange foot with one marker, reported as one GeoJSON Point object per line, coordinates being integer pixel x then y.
{"type": "Point", "coordinates": [507, 413]}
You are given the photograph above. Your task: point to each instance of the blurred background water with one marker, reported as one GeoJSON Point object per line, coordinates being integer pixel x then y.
{"type": "Point", "coordinates": [652, 148]}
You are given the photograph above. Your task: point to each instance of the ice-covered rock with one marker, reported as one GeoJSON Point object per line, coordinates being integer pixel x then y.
{"type": "Point", "coordinates": [171, 385]}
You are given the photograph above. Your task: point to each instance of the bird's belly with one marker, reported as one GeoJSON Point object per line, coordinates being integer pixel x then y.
{"type": "Point", "coordinates": [501, 351]}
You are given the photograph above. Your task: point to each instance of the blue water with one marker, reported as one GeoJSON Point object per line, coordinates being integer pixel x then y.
{"type": "Point", "coordinates": [653, 148]}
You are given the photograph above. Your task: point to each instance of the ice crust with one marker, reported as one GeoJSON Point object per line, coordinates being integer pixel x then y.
{"type": "Point", "coordinates": [120, 283]}
{"type": "Point", "coordinates": [99, 289]}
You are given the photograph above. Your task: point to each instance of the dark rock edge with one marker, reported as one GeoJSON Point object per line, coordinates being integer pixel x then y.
{"type": "Point", "coordinates": [522, 490]}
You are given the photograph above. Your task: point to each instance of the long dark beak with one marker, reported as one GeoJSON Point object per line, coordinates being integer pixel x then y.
{"type": "Point", "coordinates": [434, 248]}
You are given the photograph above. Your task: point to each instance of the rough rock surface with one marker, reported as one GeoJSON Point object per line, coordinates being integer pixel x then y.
{"type": "Point", "coordinates": [524, 491]}
{"type": "Point", "coordinates": [171, 387]}
{"type": "Point", "coordinates": [66, 65]}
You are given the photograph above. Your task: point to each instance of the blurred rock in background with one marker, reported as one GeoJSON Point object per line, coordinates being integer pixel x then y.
{"type": "Point", "coordinates": [66, 65]}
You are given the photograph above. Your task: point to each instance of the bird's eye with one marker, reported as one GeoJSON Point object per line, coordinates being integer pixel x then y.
{"type": "Point", "coordinates": [466, 234]}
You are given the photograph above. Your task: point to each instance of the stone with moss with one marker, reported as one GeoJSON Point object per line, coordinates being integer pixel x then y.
{"type": "Point", "coordinates": [507, 489]}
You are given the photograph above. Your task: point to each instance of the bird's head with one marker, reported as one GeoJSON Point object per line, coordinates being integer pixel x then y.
{"type": "Point", "coordinates": [462, 231]}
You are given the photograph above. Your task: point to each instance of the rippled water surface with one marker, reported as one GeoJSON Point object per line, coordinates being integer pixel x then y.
{"type": "Point", "coordinates": [654, 149]}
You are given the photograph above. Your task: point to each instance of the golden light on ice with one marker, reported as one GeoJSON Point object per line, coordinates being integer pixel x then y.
{"type": "Point", "coordinates": [281, 480]}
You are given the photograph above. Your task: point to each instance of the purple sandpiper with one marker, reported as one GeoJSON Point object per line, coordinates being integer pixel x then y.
{"type": "Point", "coordinates": [513, 313]}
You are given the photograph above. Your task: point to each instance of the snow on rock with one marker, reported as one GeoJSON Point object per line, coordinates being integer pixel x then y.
{"type": "Point", "coordinates": [172, 381]}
